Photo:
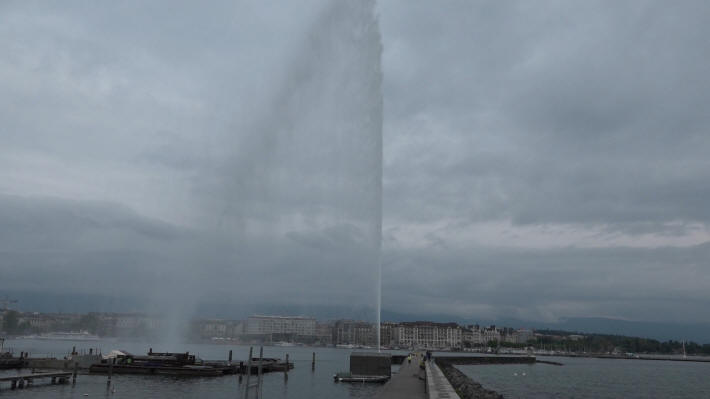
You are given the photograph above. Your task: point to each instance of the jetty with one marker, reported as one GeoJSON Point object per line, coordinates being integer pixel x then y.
{"type": "Point", "coordinates": [408, 382]}
{"type": "Point", "coordinates": [428, 377]}
{"type": "Point", "coordinates": [27, 380]}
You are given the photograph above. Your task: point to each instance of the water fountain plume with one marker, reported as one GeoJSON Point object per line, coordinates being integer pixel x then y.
{"type": "Point", "coordinates": [322, 128]}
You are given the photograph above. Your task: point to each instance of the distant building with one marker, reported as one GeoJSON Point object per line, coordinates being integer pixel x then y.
{"type": "Point", "coordinates": [491, 333]}
{"type": "Point", "coordinates": [324, 333]}
{"type": "Point", "coordinates": [286, 328]}
{"type": "Point", "coordinates": [523, 335]}
{"type": "Point", "coordinates": [129, 324]}
{"type": "Point", "coordinates": [471, 335]}
{"type": "Point", "coordinates": [214, 328]}
{"type": "Point", "coordinates": [426, 334]}
{"type": "Point", "coordinates": [352, 332]}
{"type": "Point", "coordinates": [387, 334]}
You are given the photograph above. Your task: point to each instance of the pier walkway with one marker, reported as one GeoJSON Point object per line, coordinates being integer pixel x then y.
{"type": "Point", "coordinates": [407, 383]}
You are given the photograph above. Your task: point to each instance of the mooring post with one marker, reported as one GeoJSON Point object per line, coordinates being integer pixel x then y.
{"type": "Point", "coordinates": [76, 369]}
{"type": "Point", "coordinates": [110, 372]}
{"type": "Point", "coordinates": [313, 362]}
{"type": "Point", "coordinates": [261, 372]}
{"type": "Point", "coordinates": [248, 370]}
{"type": "Point", "coordinates": [230, 357]}
{"type": "Point", "coordinates": [286, 369]}
{"type": "Point", "coordinates": [241, 371]}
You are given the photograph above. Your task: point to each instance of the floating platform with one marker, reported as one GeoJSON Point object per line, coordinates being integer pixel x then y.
{"type": "Point", "coordinates": [8, 361]}
{"type": "Point", "coordinates": [20, 381]}
{"type": "Point", "coordinates": [186, 371]}
{"type": "Point", "coordinates": [182, 364]}
{"type": "Point", "coordinates": [347, 377]}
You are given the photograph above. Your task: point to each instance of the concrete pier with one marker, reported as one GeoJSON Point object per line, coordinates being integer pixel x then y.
{"type": "Point", "coordinates": [438, 385]}
{"type": "Point", "coordinates": [407, 383]}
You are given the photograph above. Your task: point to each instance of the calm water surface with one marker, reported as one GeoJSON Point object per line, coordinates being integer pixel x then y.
{"type": "Point", "coordinates": [596, 378]}
{"type": "Point", "coordinates": [578, 378]}
{"type": "Point", "coordinates": [302, 382]}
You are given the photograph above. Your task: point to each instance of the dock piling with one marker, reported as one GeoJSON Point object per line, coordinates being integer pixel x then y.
{"type": "Point", "coordinates": [261, 372]}
{"type": "Point", "coordinates": [241, 371]}
{"type": "Point", "coordinates": [230, 357]}
{"type": "Point", "coordinates": [76, 369]}
{"type": "Point", "coordinates": [110, 371]}
{"type": "Point", "coordinates": [313, 362]}
{"type": "Point", "coordinates": [286, 369]}
{"type": "Point", "coordinates": [248, 370]}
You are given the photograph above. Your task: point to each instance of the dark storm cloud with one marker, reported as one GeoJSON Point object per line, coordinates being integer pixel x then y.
{"type": "Point", "coordinates": [541, 159]}
{"type": "Point", "coordinates": [633, 283]}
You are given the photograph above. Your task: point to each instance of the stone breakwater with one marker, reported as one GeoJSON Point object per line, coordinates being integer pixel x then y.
{"type": "Point", "coordinates": [464, 385]}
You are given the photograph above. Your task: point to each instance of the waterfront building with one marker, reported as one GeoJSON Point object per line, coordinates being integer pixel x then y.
{"type": "Point", "coordinates": [491, 333]}
{"type": "Point", "coordinates": [128, 324]}
{"type": "Point", "coordinates": [353, 332]}
{"type": "Point", "coordinates": [324, 333]}
{"type": "Point", "coordinates": [213, 328]}
{"type": "Point", "coordinates": [471, 335]}
{"type": "Point", "coordinates": [387, 330]}
{"type": "Point", "coordinates": [285, 327]}
{"type": "Point", "coordinates": [523, 335]}
{"type": "Point", "coordinates": [426, 334]}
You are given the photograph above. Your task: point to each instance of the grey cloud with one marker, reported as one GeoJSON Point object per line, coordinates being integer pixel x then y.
{"type": "Point", "coordinates": [223, 146]}
{"type": "Point", "coordinates": [638, 284]}
{"type": "Point", "coordinates": [586, 113]}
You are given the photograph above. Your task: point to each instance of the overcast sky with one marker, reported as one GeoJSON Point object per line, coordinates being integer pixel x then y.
{"type": "Point", "coordinates": [541, 159]}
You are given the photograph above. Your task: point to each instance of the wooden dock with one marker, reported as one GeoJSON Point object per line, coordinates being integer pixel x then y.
{"type": "Point", "coordinates": [27, 380]}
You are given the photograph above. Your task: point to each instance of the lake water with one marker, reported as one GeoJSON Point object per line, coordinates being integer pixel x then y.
{"type": "Point", "coordinates": [578, 378]}
{"type": "Point", "coordinates": [596, 378]}
{"type": "Point", "coordinates": [302, 382]}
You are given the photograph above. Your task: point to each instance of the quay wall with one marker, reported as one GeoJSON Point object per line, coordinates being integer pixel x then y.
{"type": "Point", "coordinates": [466, 360]}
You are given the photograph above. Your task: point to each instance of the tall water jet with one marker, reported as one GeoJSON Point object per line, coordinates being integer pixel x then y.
{"type": "Point", "coordinates": [307, 177]}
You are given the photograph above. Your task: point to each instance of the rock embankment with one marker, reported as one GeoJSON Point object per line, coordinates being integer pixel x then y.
{"type": "Point", "coordinates": [465, 386]}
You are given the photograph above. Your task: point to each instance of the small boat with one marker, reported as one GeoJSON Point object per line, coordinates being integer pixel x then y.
{"type": "Point", "coordinates": [348, 377]}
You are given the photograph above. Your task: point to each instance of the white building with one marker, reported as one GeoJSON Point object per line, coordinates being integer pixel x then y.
{"type": "Point", "coordinates": [472, 335]}
{"type": "Point", "coordinates": [491, 334]}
